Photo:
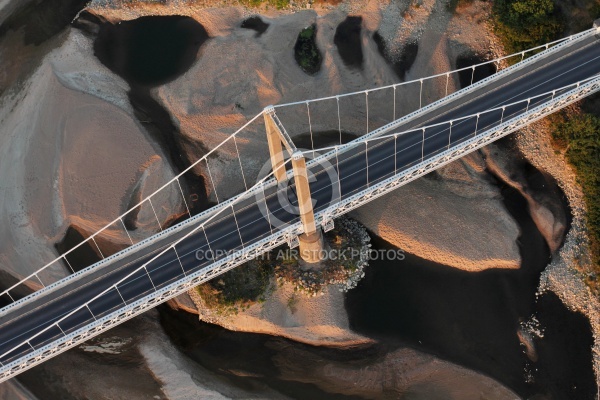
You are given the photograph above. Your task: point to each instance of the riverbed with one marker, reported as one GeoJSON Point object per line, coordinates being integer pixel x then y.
{"type": "Point", "coordinates": [470, 319]}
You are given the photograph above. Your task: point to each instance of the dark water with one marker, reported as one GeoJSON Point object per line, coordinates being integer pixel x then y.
{"type": "Point", "coordinates": [348, 41]}
{"type": "Point", "coordinates": [402, 64]}
{"type": "Point", "coordinates": [256, 24]}
{"type": "Point", "coordinates": [80, 258]}
{"type": "Point", "coordinates": [147, 52]}
{"type": "Point", "coordinates": [481, 72]}
{"type": "Point", "coordinates": [247, 360]}
{"type": "Point", "coordinates": [564, 369]}
{"type": "Point", "coordinates": [472, 318]}
{"type": "Point", "coordinates": [150, 51]}
{"type": "Point", "coordinates": [467, 318]}
{"type": "Point", "coordinates": [41, 20]}
{"type": "Point", "coordinates": [157, 121]}
{"type": "Point", "coordinates": [538, 184]}
{"type": "Point", "coordinates": [6, 281]}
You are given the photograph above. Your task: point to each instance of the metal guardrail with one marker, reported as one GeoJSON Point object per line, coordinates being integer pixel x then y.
{"type": "Point", "coordinates": [280, 237]}
{"type": "Point", "coordinates": [556, 45]}
{"type": "Point", "coordinates": [139, 204]}
{"type": "Point", "coordinates": [443, 74]}
{"type": "Point", "coordinates": [461, 93]}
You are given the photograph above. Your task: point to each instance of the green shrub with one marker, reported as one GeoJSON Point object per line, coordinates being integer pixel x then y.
{"type": "Point", "coordinates": [279, 4]}
{"type": "Point", "coordinates": [524, 24]}
{"type": "Point", "coordinates": [306, 52]}
{"type": "Point", "coordinates": [579, 136]}
{"type": "Point", "coordinates": [238, 288]}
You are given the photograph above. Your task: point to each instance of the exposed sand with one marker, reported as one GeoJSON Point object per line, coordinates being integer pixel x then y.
{"type": "Point", "coordinates": [457, 219]}
{"type": "Point", "coordinates": [546, 210]}
{"type": "Point", "coordinates": [320, 321]}
{"type": "Point", "coordinates": [183, 379]}
{"type": "Point", "coordinates": [70, 152]}
{"type": "Point", "coordinates": [58, 150]}
{"type": "Point", "coordinates": [403, 373]}
{"type": "Point", "coordinates": [135, 360]}
{"type": "Point", "coordinates": [14, 390]}
{"type": "Point", "coordinates": [426, 218]}
{"type": "Point", "coordinates": [110, 366]}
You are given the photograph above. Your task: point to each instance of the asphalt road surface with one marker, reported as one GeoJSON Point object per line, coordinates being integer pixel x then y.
{"type": "Point", "coordinates": [358, 169]}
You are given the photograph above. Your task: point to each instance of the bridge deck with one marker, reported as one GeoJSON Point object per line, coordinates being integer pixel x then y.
{"type": "Point", "coordinates": [357, 170]}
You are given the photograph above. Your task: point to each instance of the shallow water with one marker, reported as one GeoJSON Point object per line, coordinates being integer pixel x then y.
{"type": "Point", "coordinates": [147, 52]}
{"type": "Point", "coordinates": [469, 75]}
{"type": "Point", "coordinates": [248, 360]}
{"type": "Point", "coordinates": [470, 319]}
{"type": "Point", "coordinates": [256, 24]}
{"type": "Point", "coordinates": [348, 41]}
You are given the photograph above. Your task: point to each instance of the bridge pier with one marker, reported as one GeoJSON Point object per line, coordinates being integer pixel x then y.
{"type": "Point", "coordinates": [275, 147]}
{"type": "Point", "coordinates": [311, 241]}
{"type": "Point", "coordinates": [277, 137]}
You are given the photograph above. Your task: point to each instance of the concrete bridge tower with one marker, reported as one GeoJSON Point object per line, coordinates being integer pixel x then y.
{"type": "Point", "coordinates": [311, 241]}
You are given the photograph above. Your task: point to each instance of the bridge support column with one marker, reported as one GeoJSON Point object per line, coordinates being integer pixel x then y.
{"type": "Point", "coordinates": [274, 139]}
{"type": "Point", "coordinates": [311, 241]}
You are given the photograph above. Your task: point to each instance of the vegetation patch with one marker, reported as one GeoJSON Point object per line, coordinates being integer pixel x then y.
{"type": "Point", "coordinates": [524, 24]}
{"type": "Point", "coordinates": [251, 283]}
{"type": "Point", "coordinates": [278, 4]}
{"type": "Point", "coordinates": [239, 288]}
{"type": "Point", "coordinates": [307, 53]}
{"type": "Point", "coordinates": [578, 14]}
{"type": "Point", "coordinates": [579, 137]}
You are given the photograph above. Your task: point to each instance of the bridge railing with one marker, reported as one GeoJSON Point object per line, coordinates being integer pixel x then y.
{"type": "Point", "coordinates": [504, 112]}
{"type": "Point", "coordinates": [424, 132]}
{"type": "Point", "coordinates": [438, 158]}
{"type": "Point", "coordinates": [61, 331]}
{"type": "Point", "coordinates": [221, 172]}
{"type": "Point", "coordinates": [38, 353]}
{"type": "Point", "coordinates": [316, 119]}
{"type": "Point", "coordinates": [476, 125]}
{"type": "Point", "coordinates": [553, 47]}
{"type": "Point", "coordinates": [342, 118]}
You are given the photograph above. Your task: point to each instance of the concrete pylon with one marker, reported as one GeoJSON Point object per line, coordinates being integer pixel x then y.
{"type": "Point", "coordinates": [274, 139]}
{"type": "Point", "coordinates": [311, 241]}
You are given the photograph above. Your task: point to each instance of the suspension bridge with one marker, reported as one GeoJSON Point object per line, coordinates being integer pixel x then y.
{"type": "Point", "coordinates": [375, 144]}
